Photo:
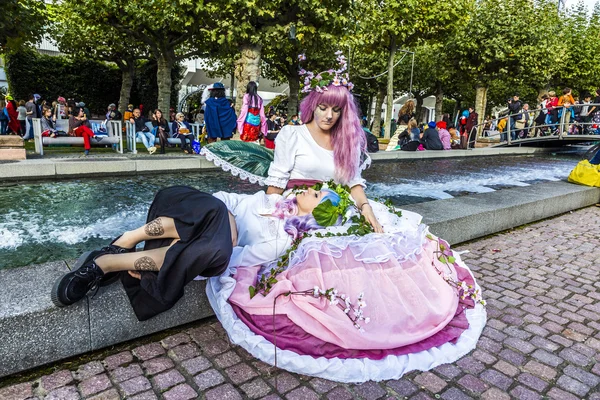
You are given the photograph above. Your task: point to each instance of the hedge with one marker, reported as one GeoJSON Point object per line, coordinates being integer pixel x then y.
{"type": "Point", "coordinates": [95, 83]}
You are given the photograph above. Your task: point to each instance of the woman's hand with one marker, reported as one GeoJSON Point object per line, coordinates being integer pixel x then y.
{"type": "Point", "coordinates": [233, 227]}
{"type": "Point", "coordinates": [135, 274]}
{"type": "Point", "coordinates": [367, 212]}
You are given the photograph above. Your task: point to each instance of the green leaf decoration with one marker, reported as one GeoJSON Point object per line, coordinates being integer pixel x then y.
{"type": "Point", "coordinates": [252, 290]}
{"type": "Point", "coordinates": [451, 259]}
{"type": "Point", "coordinates": [326, 213]}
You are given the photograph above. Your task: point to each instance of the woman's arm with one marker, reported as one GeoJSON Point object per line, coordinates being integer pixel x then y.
{"type": "Point", "coordinates": [358, 194]}
{"type": "Point", "coordinates": [274, 190]}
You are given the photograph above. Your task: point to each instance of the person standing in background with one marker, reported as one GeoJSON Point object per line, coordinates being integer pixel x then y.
{"type": "Point", "coordinates": [252, 122]}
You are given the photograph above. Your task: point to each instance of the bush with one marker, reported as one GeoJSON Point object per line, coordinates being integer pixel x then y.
{"type": "Point", "coordinates": [95, 83]}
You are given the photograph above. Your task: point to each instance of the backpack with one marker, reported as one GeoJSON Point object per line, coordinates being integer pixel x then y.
{"type": "Point", "coordinates": [413, 145]}
{"type": "Point", "coordinates": [372, 143]}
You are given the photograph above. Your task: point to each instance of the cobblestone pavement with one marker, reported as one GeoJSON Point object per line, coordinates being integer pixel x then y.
{"type": "Point", "coordinates": [542, 339]}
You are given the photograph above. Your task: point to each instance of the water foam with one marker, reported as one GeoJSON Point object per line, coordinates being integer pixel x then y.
{"type": "Point", "coordinates": [472, 182]}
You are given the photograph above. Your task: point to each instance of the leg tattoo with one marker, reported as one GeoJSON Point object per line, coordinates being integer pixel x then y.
{"type": "Point", "coordinates": [154, 228]}
{"type": "Point", "coordinates": [145, 264]}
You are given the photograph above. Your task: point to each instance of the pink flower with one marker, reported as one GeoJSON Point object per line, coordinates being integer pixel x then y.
{"type": "Point", "coordinates": [301, 57]}
{"type": "Point", "coordinates": [350, 85]}
{"type": "Point", "coordinates": [302, 72]}
{"type": "Point", "coordinates": [337, 53]}
{"type": "Point", "coordinates": [336, 81]}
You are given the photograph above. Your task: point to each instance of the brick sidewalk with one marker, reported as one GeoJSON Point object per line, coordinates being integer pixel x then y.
{"type": "Point", "coordinates": [542, 339]}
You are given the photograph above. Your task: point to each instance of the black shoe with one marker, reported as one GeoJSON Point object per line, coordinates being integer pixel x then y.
{"type": "Point", "coordinates": [76, 284]}
{"type": "Point", "coordinates": [111, 277]}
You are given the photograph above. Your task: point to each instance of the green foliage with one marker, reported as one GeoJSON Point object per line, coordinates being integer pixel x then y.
{"type": "Point", "coordinates": [145, 87]}
{"type": "Point", "coordinates": [95, 83]}
{"type": "Point", "coordinates": [21, 22]}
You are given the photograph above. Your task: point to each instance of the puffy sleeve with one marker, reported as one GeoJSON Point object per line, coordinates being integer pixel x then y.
{"type": "Point", "coordinates": [231, 200]}
{"type": "Point", "coordinates": [260, 253]}
{"type": "Point", "coordinates": [285, 156]}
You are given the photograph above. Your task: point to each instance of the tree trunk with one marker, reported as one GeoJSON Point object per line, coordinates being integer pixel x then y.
{"type": "Point", "coordinates": [292, 107]}
{"type": "Point", "coordinates": [541, 92]}
{"type": "Point", "coordinates": [377, 112]}
{"type": "Point", "coordinates": [247, 68]}
{"type": "Point", "coordinates": [127, 71]}
{"type": "Point", "coordinates": [163, 78]}
{"type": "Point", "coordinates": [480, 102]}
{"type": "Point", "coordinates": [439, 102]}
{"type": "Point", "coordinates": [232, 84]}
{"type": "Point", "coordinates": [456, 113]}
{"type": "Point", "coordinates": [370, 108]}
{"type": "Point", "coordinates": [390, 89]}
{"type": "Point", "coordinates": [419, 108]}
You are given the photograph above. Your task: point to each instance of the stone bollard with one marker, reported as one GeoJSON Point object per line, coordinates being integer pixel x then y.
{"type": "Point", "coordinates": [12, 147]}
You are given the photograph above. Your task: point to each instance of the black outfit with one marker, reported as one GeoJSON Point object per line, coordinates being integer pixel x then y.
{"type": "Point", "coordinates": [431, 139]}
{"type": "Point", "coordinates": [140, 124]}
{"type": "Point", "coordinates": [404, 138]}
{"type": "Point", "coordinates": [471, 132]}
{"type": "Point", "coordinates": [162, 132]}
{"type": "Point", "coordinates": [272, 126]}
{"type": "Point", "coordinates": [404, 118]}
{"type": "Point", "coordinates": [204, 248]}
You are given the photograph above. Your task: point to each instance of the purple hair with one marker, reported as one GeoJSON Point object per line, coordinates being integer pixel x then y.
{"type": "Point", "coordinates": [347, 136]}
{"type": "Point", "coordinates": [295, 225]}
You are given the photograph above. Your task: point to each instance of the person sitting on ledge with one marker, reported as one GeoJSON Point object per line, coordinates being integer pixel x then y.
{"type": "Point", "coordinates": [431, 139]}
{"type": "Point", "coordinates": [187, 241]}
{"type": "Point", "coordinates": [182, 130]}
{"type": "Point", "coordinates": [142, 132]}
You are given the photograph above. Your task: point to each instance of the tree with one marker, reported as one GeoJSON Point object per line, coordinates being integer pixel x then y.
{"type": "Point", "coordinates": [250, 26]}
{"type": "Point", "coordinates": [401, 24]}
{"type": "Point", "coordinates": [170, 30]}
{"type": "Point", "coordinates": [21, 22]}
{"type": "Point", "coordinates": [78, 37]}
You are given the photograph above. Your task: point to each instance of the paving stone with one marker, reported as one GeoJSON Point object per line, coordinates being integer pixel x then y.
{"type": "Point", "coordinates": [469, 364]}
{"type": "Point", "coordinates": [121, 374]}
{"type": "Point", "coordinates": [547, 358]}
{"type": "Point", "coordinates": [369, 390]}
{"type": "Point", "coordinates": [203, 334]}
{"type": "Point", "coordinates": [19, 391]}
{"type": "Point", "coordinates": [256, 388]}
{"type": "Point", "coordinates": [94, 384]}
{"type": "Point", "coordinates": [166, 380]}
{"type": "Point", "coordinates": [149, 395]}
{"type": "Point", "coordinates": [506, 368]}
{"type": "Point", "coordinates": [117, 360]}
{"type": "Point", "coordinates": [302, 393]}
{"type": "Point", "coordinates": [322, 385]}
{"type": "Point", "coordinates": [195, 365]}
{"type": "Point", "coordinates": [582, 376]}
{"type": "Point", "coordinates": [184, 352]}
{"type": "Point", "coordinates": [339, 393]}
{"type": "Point", "coordinates": [227, 359]}
{"type": "Point", "coordinates": [512, 357]}
{"type": "Point", "coordinates": [214, 347]}
{"type": "Point", "coordinates": [56, 380]}
{"type": "Point", "coordinates": [111, 394]}
{"type": "Point", "coordinates": [240, 373]}
{"type": "Point", "coordinates": [523, 393]}
{"type": "Point", "coordinates": [520, 345]}
{"type": "Point", "coordinates": [175, 340]}
{"type": "Point", "coordinates": [430, 381]}
{"type": "Point", "coordinates": [544, 344]}
{"type": "Point", "coordinates": [61, 393]}
{"type": "Point", "coordinates": [484, 357]}
{"type": "Point", "coordinates": [473, 384]}
{"type": "Point", "coordinates": [574, 357]}
{"type": "Point", "coordinates": [135, 385]}
{"type": "Point", "coordinates": [87, 370]}
{"type": "Point", "coordinates": [496, 378]}
{"type": "Point", "coordinates": [574, 335]}
{"type": "Point", "coordinates": [208, 379]}
{"type": "Point", "coordinates": [157, 365]}
{"type": "Point", "coordinates": [181, 392]}
{"type": "Point", "coordinates": [558, 394]}
{"type": "Point", "coordinates": [540, 370]}
{"type": "Point", "coordinates": [572, 385]}
{"type": "Point", "coordinates": [224, 392]}
{"type": "Point", "coordinates": [403, 387]}
{"type": "Point", "coordinates": [455, 394]}
{"type": "Point", "coordinates": [495, 394]}
{"type": "Point", "coordinates": [148, 351]}
{"type": "Point", "coordinates": [533, 382]}
{"type": "Point", "coordinates": [284, 382]}
{"type": "Point", "coordinates": [450, 371]}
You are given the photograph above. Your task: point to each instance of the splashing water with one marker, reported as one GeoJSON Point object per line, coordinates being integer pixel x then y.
{"type": "Point", "coordinates": [49, 221]}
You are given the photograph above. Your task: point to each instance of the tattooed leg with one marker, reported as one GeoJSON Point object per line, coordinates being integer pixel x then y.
{"type": "Point", "coordinates": [160, 228]}
{"type": "Point", "coordinates": [145, 264]}
{"type": "Point", "coordinates": [154, 228]}
{"type": "Point", "coordinates": [149, 260]}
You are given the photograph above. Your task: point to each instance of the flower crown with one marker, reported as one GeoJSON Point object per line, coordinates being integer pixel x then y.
{"type": "Point", "coordinates": [320, 81]}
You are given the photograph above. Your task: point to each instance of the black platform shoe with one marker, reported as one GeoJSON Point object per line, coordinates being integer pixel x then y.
{"type": "Point", "coordinates": [76, 284]}
{"type": "Point", "coordinates": [112, 248]}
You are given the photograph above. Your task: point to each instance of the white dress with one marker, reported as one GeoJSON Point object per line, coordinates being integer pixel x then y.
{"type": "Point", "coordinates": [299, 156]}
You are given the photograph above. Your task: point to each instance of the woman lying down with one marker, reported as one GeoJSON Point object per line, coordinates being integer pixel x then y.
{"type": "Point", "coordinates": [188, 234]}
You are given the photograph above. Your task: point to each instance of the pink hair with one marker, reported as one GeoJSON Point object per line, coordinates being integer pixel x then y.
{"type": "Point", "coordinates": [347, 136]}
